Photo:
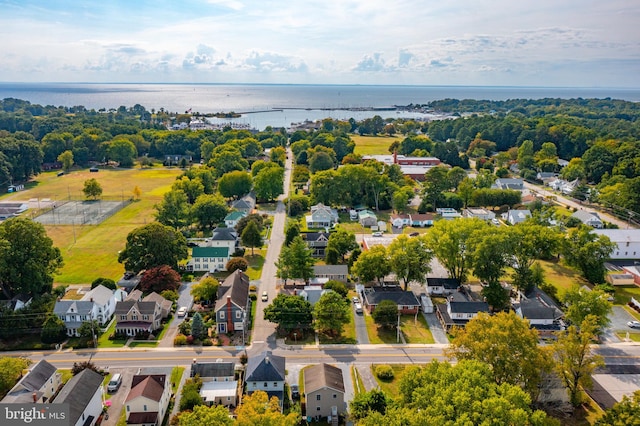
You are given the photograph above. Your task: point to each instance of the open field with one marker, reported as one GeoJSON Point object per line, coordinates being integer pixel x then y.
{"type": "Point", "coordinates": [91, 251]}
{"type": "Point", "coordinates": [374, 145]}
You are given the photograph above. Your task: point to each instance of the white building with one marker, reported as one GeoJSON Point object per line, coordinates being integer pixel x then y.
{"type": "Point", "coordinates": [627, 242]}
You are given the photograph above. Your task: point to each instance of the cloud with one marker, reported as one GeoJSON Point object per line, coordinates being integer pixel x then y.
{"type": "Point", "coordinates": [271, 62]}
{"type": "Point", "coordinates": [404, 58]}
{"type": "Point", "coordinates": [373, 63]}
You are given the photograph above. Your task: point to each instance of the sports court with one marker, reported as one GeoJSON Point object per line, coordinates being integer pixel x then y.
{"type": "Point", "coordinates": [87, 212]}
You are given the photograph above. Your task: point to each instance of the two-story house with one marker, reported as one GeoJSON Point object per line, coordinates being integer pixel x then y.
{"type": "Point", "coordinates": [442, 285]}
{"type": "Point", "coordinates": [83, 393]}
{"type": "Point", "coordinates": [219, 384]}
{"type": "Point", "coordinates": [321, 216]}
{"type": "Point", "coordinates": [223, 237]}
{"type": "Point", "coordinates": [245, 204]}
{"type": "Point", "coordinates": [232, 219]}
{"type": "Point", "coordinates": [627, 242]}
{"type": "Point", "coordinates": [233, 306]}
{"type": "Point", "coordinates": [147, 401]}
{"type": "Point", "coordinates": [133, 317]}
{"type": "Point", "coordinates": [209, 259]}
{"type": "Point", "coordinates": [266, 372]}
{"type": "Point", "coordinates": [165, 305]}
{"type": "Point", "coordinates": [38, 385]}
{"type": "Point", "coordinates": [316, 241]}
{"type": "Point", "coordinates": [97, 304]}
{"type": "Point", "coordinates": [324, 391]}
{"type": "Point", "coordinates": [459, 309]}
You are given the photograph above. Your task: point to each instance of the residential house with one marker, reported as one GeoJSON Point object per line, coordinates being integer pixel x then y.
{"type": "Point", "coordinates": [147, 401]}
{"type": "Point", "coordinates": [367, 218]}
{"type": "Point", "coordinates": [233, 306]}
{"type": "Point", "coordinates": [9, 210]}
{"type": "Point", "coordinates": [245, 204]}
{"type": "Point", "coordinates": [546, 176]}
{"type": "Point", "coordinates": [133, 317]}
{"type": "Point", "coordinates": [316, 241]}
{"type": "Point", "coordinates": [542, 312]}
{"type": "Point", "coordinates": [98, 304]}
{"type": "Point", "coordinates": [442, 285]}
{"type": "Point", "coordinates": [332, 272]}
{"type": "Point", "coordinates": [479, 213]}
{"type": "Point", "coordinates": [313, 293]}
{"type": "Point", "coordinates": [508, 183]}
{"type": "Point", "coordinates": [223, 237]}
{"type": "Point", "coordinates": [209, 259]}
{"type": "Point", "coordinates": [324, 391]}
{"type": "Point", "coordinates": [266, 372]}
{"type": "Point", "coordinates": [175, 159]}
{"type": "Point", "coordinates": [321, 216]}
{"type": "Point", "coordinates": [165, 305]}
{"type": "Point", "coordinates": [17, 302]}
{"type": "Point", "coordinates": [459, 309]}
{"type": "Point", "coordinates": [219, 384]}
{"type": "Point", "coordinates": [516, 216]}
{"type": "Point", "coordinates": [38, 385]}
{"type": "Point", "coordinates": [589, 218]}
{"type": "Point", "coordinates": [400, 220]}
{"type": "Point", "coordinates": [448, 213]}
{"type": "Point", "coordinates": [105, 301]}
{"type": "Point", "coordinates": [232, 219]}
{"type": "Point", "coordinates": [83, 393]}
{"type": "Point", "coordinates": [407, 301]}
{"type": "Point", "coordinates": [422, 219]}
{"type": "Point", "coordinates": [627, 242]}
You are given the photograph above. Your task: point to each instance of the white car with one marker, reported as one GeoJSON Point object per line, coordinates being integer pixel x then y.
{"type": "Point", "coordinates": [182, 311]}
{"type": "Point", "coordinates": [495, 221]}
{"type": "Point", "coordinates": [358, 308]}
{"type": "Point", "coordinates": [265, 296]}
{"type": "Point", "coordinates": [377, 234]}
{"type": "Point", "coordinates": [634, 324]}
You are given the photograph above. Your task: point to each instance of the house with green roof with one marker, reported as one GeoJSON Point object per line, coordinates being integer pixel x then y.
{"type": "Point", "coordinates": [209, 259]}
{"type": "Point", "coordinates": [232, 219]}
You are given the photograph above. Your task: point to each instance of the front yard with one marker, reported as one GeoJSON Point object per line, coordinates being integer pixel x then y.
{"type": "Point", "coordinates": [414, 331]}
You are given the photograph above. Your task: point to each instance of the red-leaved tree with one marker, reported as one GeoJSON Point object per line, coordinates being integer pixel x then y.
{"type": "Point", "coordinates": [159, 279]}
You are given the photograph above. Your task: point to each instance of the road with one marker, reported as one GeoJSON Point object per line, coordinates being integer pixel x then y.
{"type": "Point", "coordinates": [263, 331]}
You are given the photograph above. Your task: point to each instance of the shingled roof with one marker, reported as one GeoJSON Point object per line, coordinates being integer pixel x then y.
{"type": "Point", "coordinates": [323, 376]}
{"type": "Point", "coordinates": [213, 369]}
{"type": "Point", "coordinates": [150, 386]}
{"type": "Point", "coordinates": [237, 286]}
{"type": "Point", "coordinates": [265, 368]}
{"type": "Point", "coordinates": [78, 392]}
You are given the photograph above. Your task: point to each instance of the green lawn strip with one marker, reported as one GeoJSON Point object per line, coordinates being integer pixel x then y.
{"type": "Point", "coordinates": [143, 344]}
{"type": "Point", "coordinates": [25, 342]}
{"type": "Point", "coordinates": [634, 337]}
{"type": "Point", "coordinates": [624, 294]}
{"type": "Point", "coordinates": [415, 332]}
{"type": "Point", "coordinates": [358, 387]}
{"type": "Point", "coordinates": [176, 376]}
{"type": "Point", "coordinates": [373, 145]}
{"type": "Point", "coordinates": [256, 262]}
{"type": "Point", "coordinates": [122, 420]}
{"type": "Point", "coordinates": [632, 312]}
{"type": "Point", "coordinates": [391, 387]}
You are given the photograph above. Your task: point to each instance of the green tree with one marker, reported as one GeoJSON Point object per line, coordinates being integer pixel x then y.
{"type": "Point", "coordinates": [66, 158]}
{"type": "Point", "coordinates": [152, 245]}
{"type": "Point", "coordinates": [342, 241]}
{"type": "Point", "coordinates": [292, 230]}
{"type": "Point", "coordinates": [623, 413]}
{"type": "Point", "coordinates": [193, 188]}
{"type": "Point", "coordinates": [461, 394]}
{"type": "Point", "coordinates": [295, 261]}
{"type": "Point", "coordinates": [588, 251]}
{"type": "Point", "coordinates": [337, 286]}
{"type": "Point", "coordinates": [92, 188]}
{"type": "Point", "coordinates": [582, 302]}
{"type": "Point", "coordinates": [386, 314]}
{"type": "Point", "coordinates": [253, 217]}
{"type": "Point", "coordinates": [465, 191]}
{"type": "Point", "coordinates": [53, 330]}
{"type": "Point", "coordinates": [450, 241]}
{"type": "Point", "coordinates": [289, 312]}
{"type": "Point", "coordinates": [365, 403]}
{"type": "Point", "coordinates": [209, 210]}
{"type": "Point", "coordinates": [174, 210]}
{"type": "Point", "coordinates": [107, 282]}
{"type": "Point", "coordinates": [525, 155]}
{"type": "Point", "coordinates": [372, 264]}
{"type": "Point", "coordinates": [278, 155]}
{"type": "Point", "coordinates": [410, 259]}
{"type": "Point", "coordinates": [251, 236]}
{"type": "Point", "coordinates": [159, 278]}
{"type": "Point", "coordinates": [25, 242]}
{"type": "Point", "coordinates": [320, 161]}
{"type": "Point", "coordinates": [527, 243]}
{"type": "Point", "coordinates": [574, 358]}
{"type": "Point", "coordinates": [331, 313]}
{"type": "Point", "coordinates": [202, 415]}
{"type": "Point", "coordinates": [235, 184]}
{"type": "Point", "coordinates": [206, 150]}
{"type": "Point", "coordinates": [11, 369]}
{"type": "Point", "coordinates": [123, 151]}
{"type": "Point", "coordinates": [436, 181]}
{"type": "Point", "coordinates": [268, 183]}
{"type": "Point", "coordinates": [190, 398]}
{"type": "Point", "coordinates": [258, 409]}
{"type": "Point", "coordinates": [227, 158]}
{"type": "Point", "coordinates": [507, 344]}
{"type": "Point", "coordinates": [197, 326]}
{"type": "Point", "coordinates": [89, 329]}
{"type": "Point", "coordinates": [236, 263]}
{"type": "Point", "coordinates": [206, 290]}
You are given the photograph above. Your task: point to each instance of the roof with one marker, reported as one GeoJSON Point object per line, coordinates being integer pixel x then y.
{"type": "Point", "coordinates": [210, 252]}
{"type": "Point", "coordinates": [146, 307]}
{"type": "Point", "coordinates": [362, 214]}
{"type": "Point", "coordinates": [235, 215]}
{"type": "Point", "coordinates": [400, 216]}
{"type": "Point", "coordinates": [477, 211]}
{"type": "Point", "coordinates": [469, 307]}
{"type": "Point", "coordinates": [134, 295]}
{"type": "Point", "coordinates": [315, 236]}
{"type": "Point", "coordinates": [519, 214]}
{"type": "Point", "coordinates": [237, 286]}
{"type": "Point", "coordinates": [150, 386]}
{"type": "Point", "coordinates": [533, 309]}
{"type": "Point", "coordinates": [421, 217]}
{"type": "Point", "coordinates": [448, 283]}
{"type": "Point", "coordinates": [78, 392]}
{"type": "Point", "coordinates": [586, 216]}
{"type": "Point", "coordinates": [331, 269]}
{"type": "Point", "coordinates": [100, 295]}
{"type": "Point", "coordinates": [620, 235]}
{"type": "Point", "coordinates": [143, 417]}
{"type": "Point", "coordinates": [395, 294]}
{"type": "Point", "coordinates": [323, 376]}
{"type": "Point", "coordinates": [33, 381]}
{"type": "Point", "coordinates": [265, 367]}
{"type": "Point", "coordinates": [212, 390]}
{"type": "Point", "coordinates": [75, 306]}
{"type": "Point", "coordinates": [213, 369]}
{"type": "Point", "coordinates": [224, 234]}
{"type": "Point", "coordinates": [155, 297]}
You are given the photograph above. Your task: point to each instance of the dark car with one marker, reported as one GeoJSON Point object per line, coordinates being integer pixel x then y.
{"type": "Point", "coordinates": [128, 275]}
{"type": "Point", "coordinates": [414, 234]}
{"type": "Point", "coordinates": [60, 174]}
{"type": "Point", "coordinates": [192, 244]}
{"type": "Point", "coordinates": [94, 170]}
{"type": "Point", "coordinates": [295, 392]}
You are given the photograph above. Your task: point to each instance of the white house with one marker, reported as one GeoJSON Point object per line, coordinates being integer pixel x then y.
{"type": "Point", "coordinates": [400, 220]}
{"type": "Point", "coordinates": [148, 399]}
{"type": "Point", "coordinates": [627, 242]}
{"type": "Point", "coordinates": [422, 219]}
{"type": "Point", "coordinates": [442, 285]}
{"type": "Point", "coordinates": [321, 216]}
{"type": "Point", "coordinates": [589, 218]}
{"type": "Point", "coordinates": [219, 385]}
{"type": "Point", "coordinates": [223, 237]}
{"type": "Point", "coordinates": [479, 213]}
{"type": "Point", "coordinates": [516, 216]}
{"type": "Point", "coordinates": [38, 385]}
{"type": "Point", "coordinates": [98, 304]}
{"type": "Point", "coordinates": [209, 259]}
{"type": "Point", "coordinates": [83, 393]}
{"type": "Point", "coordinates": [232, 219]}
{"type": "Point", "coordinates": [266, 372]}
{"type": "Point", "coordinates": [448, 213]}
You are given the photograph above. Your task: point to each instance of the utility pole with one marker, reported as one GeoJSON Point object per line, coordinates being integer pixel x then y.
{"type": "Point", "coordinates": [398, 328]}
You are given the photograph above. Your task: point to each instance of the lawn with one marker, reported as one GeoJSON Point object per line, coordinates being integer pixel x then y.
{"type": "Point", "coordinates": [104, 342]}
{"type": "Point", "coordinates": [374, 145]}
{"type": "Point", "coordinates": [256, 262]}
{"type": "Point", "coordinates": [561, 276]}
{"type": "Point", "coordinates": [358, 384]}
{"type": "Point", "coordinates": [91, 251]}
{"type": "Point", "coordinates": [415, 332]}
{"type": "Point", "coordinates": [391, 387]}
{"type": "Point", "coordinates": [348, 335]}
{"type": "Point", "coordinates": [624, 294]}
{"type": "Point", "coordinates": [176, 376]}
{"type": "Point", "coordinates": [634, 337]}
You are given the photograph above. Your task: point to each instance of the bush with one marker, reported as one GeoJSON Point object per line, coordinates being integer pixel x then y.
{"type": "Point", "coordinates": [190, 340]}
{"type": "Point", "coordinates": [107, 282]}
{"type": "Point", "coordinates": [236, 263]}
{"type": "Point", "coordinates": [253, 288]}
{"type": "Point", "coordinates": [253, 297]}
{"type": "Point", "coordinates": [207, 342]}
{"type": "Point", "coordinates": [180, 340]}
{"type": "Point", "coordinates": [384, 372]}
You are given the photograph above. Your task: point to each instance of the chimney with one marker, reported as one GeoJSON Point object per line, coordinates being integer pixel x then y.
{"type": "Point", "coordinates": [230, 328]}
{"type": "Point", "coordinates": [91, 299]}
{"type": "Point", "coordinates": [35, 397]}
{"type": "Point", "coordinates": [395, 156]}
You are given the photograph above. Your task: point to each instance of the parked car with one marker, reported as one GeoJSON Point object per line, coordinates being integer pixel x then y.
{"type": "Point", "coordinates": [182, 311]}
{"type": "Point", "coordinates": [634, 324]}
{"type": "Point", "coordinates": [358, 308]}
{"type": "Point", "coordinates": [265, 296]}
{"type": "Point", "coordinates": [128, 275]}
{"type": "Point", "coordinates": [114, 383]}
{"type": "Point", "coordinates": [495, 221]}
{"type": "Point", "coordinates": [414, 234]}
{"type": "Point", "coordinates": [377, 234]}
{"type": "Point", "coordinates": [355, 299]}
{"type": "Point", "coordinates": [295, 392]}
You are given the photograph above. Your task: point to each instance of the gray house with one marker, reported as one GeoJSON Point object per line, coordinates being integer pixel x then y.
{"type": "Point", "coordinates": [332, 272]}
{"type": "Point", "coordinates": [266, 372]}
{"type": "Point", "coordinates": [233, 307]}
{"type": "Point", "coordinates": [589, 218]}
{"type": "Point", "coordinates": [83, 393]}
{"type": "Point", "coordinates": [321, 216]}
{"type": "Point", "coordinates": [324, 391]}
{"type": "Point", "coordinates": [38, 385]}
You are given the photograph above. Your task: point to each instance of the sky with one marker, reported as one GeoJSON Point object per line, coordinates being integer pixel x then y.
{"type": "Point", "coordinates": [551, 43]}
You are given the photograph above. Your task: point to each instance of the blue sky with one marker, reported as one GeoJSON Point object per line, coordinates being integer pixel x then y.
{"type": "Point", "coordinates": [423, 42]}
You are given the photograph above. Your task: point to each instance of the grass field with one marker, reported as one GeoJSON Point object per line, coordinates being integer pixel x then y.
{"type": "Point", "coordinates": [91, 251]}
{"type": "Point", "coordinates": [374, 145]}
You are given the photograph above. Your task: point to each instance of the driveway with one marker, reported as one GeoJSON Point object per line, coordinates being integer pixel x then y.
{"type": "Point", "coordinates": [361, 328]}
{"type": "Point", "coordinates": [117, 398]}
{"type": "Point", "coordinates": [184, 299]}
{"type": "Point", "coordinates": [619, 318]}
